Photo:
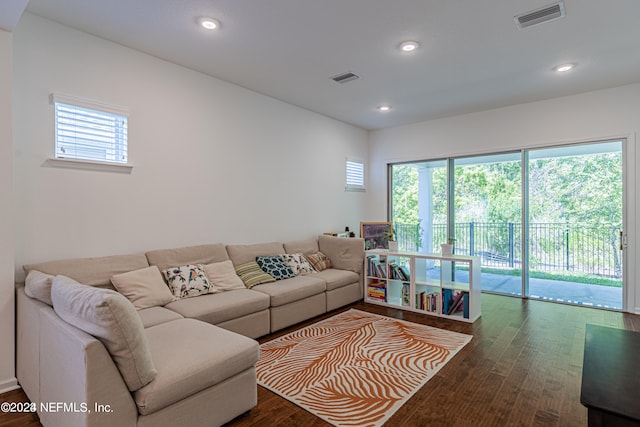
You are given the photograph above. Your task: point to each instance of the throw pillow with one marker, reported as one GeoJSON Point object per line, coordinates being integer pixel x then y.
{"type": "Point", "coordinates": [112, 319]}
{"type": "Point", "coordinates": [319, 261]}
{"type": "Point", "coordinates": [297, 263]}
{"type": "Point", "coordinates": [188, 281]}
{"type": "Point", "coordinates": [251, 274]}
{"type": "Point", "coordinates": [38, 285]}
{"type": "Point", "coordinates": [275, 267]}
{"type": "Point", "coordinates": [223, 276]}
{"type": "Point", "coordinates": [144, 288]}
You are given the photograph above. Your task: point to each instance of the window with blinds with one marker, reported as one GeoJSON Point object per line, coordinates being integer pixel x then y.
{"type": "Point", "coordinates": [90, 131]}
{"type": "Point", "coordinates": [355, 175]}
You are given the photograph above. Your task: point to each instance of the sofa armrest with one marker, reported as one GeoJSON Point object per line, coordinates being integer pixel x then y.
{"type": "Point", "coordinates": [344, 253]}
{"type": "Point", "coordinates": [77, 370]}
{"type": "Point", "coordinates": [28, 343]}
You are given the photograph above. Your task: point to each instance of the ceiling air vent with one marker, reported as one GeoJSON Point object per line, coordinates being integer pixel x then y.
{"type": "Point", "coordinates": [346, 77]}
{"type": "Point", "coordinates": [545, 14]}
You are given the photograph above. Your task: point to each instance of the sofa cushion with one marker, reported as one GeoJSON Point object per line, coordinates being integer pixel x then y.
{"type": "Point", "coordinates": [241, 254]}
{"type": "Point", "coordinates": [192, 356]}
{"type": "Point", "coordinates": [188, 281]}
{"type": "Point", "coordinates": [251, 274]}
{"type": "Point", "coordinates": [38, 285]}
{"type": "Point", "coordinates": [318, 261]}
{"type": "Point", "coordinates": [345, 254]}
{"type": "Point", "coordinates": [337, 278]}
{"type": "Point", "coordinates": [91, 271]}
{"type": "Point", "coordinates": [223, 276]}
{"type": "Point", "coordinates": [144, 288]}
{"type": "Point", "coordinates": [110, 317]}
{"type": "Point", "coordinates": [153, 316]}
{"type": "Point", "coordinates": [308, 246]}
{"type": "Point", "coordinates": [275, 267]}
{"type": "Point", "coordinates": [223, 306]}
{"type": "Point", "coordinates": [297, 263]}
{"type": "Point", "coordinates": [201, 254]}
{"type": "Point", "coordinates": [291, 290]}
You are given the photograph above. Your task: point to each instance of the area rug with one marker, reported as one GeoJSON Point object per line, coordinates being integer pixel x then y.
{"type": "Point", "coordinates": [355, 368]}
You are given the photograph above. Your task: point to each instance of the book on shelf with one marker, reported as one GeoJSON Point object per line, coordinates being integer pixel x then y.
{"type": "Point", "coordinates": [465, 305]}
{"type": "Point", "coordinates": [393, 271]}
{"type": "Point", "coordinates": [405, 273]}
{"type": "Point", "coordinates": [381, 270]}
{"type": "Point", "coordinates": [377, 293]}
{"type": "Point", "coordinates": [428, 302]}
{"type": "Point", "coordinates": [397, 272]}
{"type": "Point", "coordinates": [405, 294]}
{"type": "Point", "coordinates": [377, 285]}
{"type": "Point", "coordinates": [377, 290]}
{"type": "Point", "coordinates": [447, 299]}
{"type": "Point", "coordinates": [457, 302]}
{"type": "Point", "coordinates": [376, 267]}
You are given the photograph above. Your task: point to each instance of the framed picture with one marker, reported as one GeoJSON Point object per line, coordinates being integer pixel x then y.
{"type": "Point", "coordinates": [376, 234]}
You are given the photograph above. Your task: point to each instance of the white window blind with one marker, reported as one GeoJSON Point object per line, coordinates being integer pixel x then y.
{"type": "Point", "coordinates": [355, 175]}
{"type": "Point", "coordinates": [90, 131]}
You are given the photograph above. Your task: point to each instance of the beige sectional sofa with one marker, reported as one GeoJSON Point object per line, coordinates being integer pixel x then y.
{"type": "Point", "coordinates": [199, 352]}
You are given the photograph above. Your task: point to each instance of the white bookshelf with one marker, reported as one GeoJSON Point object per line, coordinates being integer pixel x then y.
{"type": "Point", "coordinates": [424, 283]}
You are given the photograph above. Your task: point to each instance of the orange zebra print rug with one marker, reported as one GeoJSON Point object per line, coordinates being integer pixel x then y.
{"type": "Point", "coordinates": [355, 368]}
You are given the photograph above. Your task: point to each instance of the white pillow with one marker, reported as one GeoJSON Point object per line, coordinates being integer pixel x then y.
{"type": "Point", "coordinates": [298, 263]}
{"type": "Point", "coordinates": [38, 285]}
{"type": "Point", "coordinates": [188, 281]}
{"type": "Point", "coordinates": [144, 288]}
{"type": "Point", "coordinates": [223, 277]}
{"type": "Point", "coordinates": [111, 318]}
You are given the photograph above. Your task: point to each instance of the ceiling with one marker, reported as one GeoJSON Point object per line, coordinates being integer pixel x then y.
{"type": "Point", "coordinates": [472, 56]}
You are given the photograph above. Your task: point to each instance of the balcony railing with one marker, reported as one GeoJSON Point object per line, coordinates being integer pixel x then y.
{"type": "Point", "coordinates": [552, 246]}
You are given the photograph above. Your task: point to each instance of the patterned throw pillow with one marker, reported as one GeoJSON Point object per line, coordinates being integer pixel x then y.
{"type": "Point", "coordinates": [297, 263]}
{"type": "Point", "coordinates": [275, 267]}
{"type": "Point", "coordinates": [319, 261]}
{"type": "Point", "coordinates": [188, 281]}
{"type": "Point", "coordinates": [252, 275]}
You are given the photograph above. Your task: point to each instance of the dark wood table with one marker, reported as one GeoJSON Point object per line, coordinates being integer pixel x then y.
{"type": "Point", "coordinates": [611, 376]}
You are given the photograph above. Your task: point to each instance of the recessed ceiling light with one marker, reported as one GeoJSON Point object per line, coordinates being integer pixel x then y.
{"type": "Point", "coordinates": [564, 68]}
{"type": "Point", "coordinates": [384, 108]}
{"type": "Point", "coordinates": [409, 46]}
{"type": "Point", "coordinates": [209, 23]}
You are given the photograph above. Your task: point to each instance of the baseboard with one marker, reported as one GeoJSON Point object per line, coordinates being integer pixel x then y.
{"type": "Point", "coordinates": [8, 385]}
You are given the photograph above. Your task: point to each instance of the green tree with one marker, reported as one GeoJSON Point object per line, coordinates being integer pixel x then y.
{"type": "Point", "coordinates": [405, 194]}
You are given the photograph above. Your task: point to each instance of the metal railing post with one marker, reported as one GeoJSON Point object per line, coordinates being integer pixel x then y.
{"type": "Point", "coordinates": [511, 245]}
{"type": "Point", "coordinates": [566, 242]}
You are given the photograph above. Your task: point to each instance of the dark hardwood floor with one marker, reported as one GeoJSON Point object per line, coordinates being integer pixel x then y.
{"type": "Point", "coordinates": [523, 367]}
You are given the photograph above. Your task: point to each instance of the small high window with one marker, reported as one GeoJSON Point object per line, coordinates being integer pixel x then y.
{"type": "Point", "coordinates": [90, 131]}
{"type": "Point", "coordinates": [355, 175]}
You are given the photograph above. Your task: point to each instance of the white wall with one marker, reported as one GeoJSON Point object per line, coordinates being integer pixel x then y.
{"type": "Point", "coordinates": [7, 293]}
{"type": "Point", "coordinates": [586, 117]}
{"type": "Point", "coordinates": [213, 162]}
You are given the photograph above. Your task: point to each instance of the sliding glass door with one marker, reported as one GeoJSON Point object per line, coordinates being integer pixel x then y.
{"type": "Point", "coordinates": [487, 216]}
{"type": "Point", "coordinates": [575, 224]}
{"type": "Point", "coordinates": [547, 223]}
{"type": "Point", "coordinates": [419, 206]}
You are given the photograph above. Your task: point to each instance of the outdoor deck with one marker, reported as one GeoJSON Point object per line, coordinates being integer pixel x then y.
{"type": "Point", "coordinates": [555, 290]}
{"type": "Point", "coordinates": [591, 251]}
